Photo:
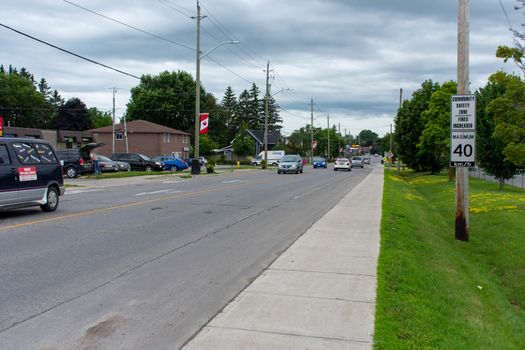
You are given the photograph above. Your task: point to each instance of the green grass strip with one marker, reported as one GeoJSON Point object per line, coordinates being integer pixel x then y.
{"type": "Point", "coordinates": [438, 293]}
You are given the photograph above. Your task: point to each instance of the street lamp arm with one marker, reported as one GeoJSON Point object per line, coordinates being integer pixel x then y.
{"type": "Point", "coordinates": [221, 43]}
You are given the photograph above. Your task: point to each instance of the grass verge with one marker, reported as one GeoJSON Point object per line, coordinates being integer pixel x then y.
{"type": "Point", "coordinates": [438, 293]}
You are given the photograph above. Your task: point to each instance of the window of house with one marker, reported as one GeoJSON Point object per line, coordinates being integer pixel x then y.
{"type": "Point", "coordinates": [119, 136]}
{"type": "Point", "coordinates": [167, 138]}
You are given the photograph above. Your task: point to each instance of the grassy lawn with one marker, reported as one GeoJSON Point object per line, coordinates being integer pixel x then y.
{"type": "Point", "coordinates": [438, 293]}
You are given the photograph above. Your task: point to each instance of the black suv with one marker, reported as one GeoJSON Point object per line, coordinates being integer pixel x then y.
{"type": "Point", "coordinates": [138, 161]}
{"type": "Point", "coordinates": [30, 174]}
{"type": "Point", "coordinates": [77, 161]}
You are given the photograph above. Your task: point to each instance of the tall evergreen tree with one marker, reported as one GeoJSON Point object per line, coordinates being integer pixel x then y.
{"type": "Point", "coordinates": [255, 109]}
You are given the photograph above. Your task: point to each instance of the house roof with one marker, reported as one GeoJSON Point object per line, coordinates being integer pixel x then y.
{"type": "Point", "coordinates": [258, 135]}
{"type": "Point", "coordinates": [139, 126]}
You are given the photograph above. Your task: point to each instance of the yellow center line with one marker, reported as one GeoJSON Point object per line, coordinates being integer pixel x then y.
{"type": "Point", "coordinates": [128, 205]}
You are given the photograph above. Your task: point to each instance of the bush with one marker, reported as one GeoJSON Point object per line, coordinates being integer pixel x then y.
{"type": "Point", "coordinates": [210, 167]}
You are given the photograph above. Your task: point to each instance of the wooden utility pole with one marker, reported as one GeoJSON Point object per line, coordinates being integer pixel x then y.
{"type": "Point", "coordinates": [113, 117]}
{"type": "Point", "coordinates": [328, 122]}
{"type": "Point", "coordinates": [462, 215]}
{"type": "Point", "coordinates": [397, 155]}
{"type": "Point", "coordinates": [266, 115]}
{"type": "Point", "coordinates": [312, 131]}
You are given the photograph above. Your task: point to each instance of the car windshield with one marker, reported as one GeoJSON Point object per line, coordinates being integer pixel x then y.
{"type": "Point", "coordinates": [289, 159]}
{"type": "Point", "coordinates": [356, 158]}
{"type": "Point", "coordinates": [318, 159]}
{"type": "Point", "coordinates": [143, 156]}
{"type": "Point", "coordinates": [341, 160]}
{"type": "Point", "coordinates": [104, 158]}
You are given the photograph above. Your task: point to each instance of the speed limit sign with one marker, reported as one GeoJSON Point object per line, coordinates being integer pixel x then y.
{"type": "Point", "coordinates": [463, 131]}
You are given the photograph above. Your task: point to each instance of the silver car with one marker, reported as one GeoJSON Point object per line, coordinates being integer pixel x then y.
{"type": "Point", "coordinates": [357, 162]}
{"type": "Point", "coordinates": [291, 163]}
{"type": "Point", "coordinates": [342, 164]}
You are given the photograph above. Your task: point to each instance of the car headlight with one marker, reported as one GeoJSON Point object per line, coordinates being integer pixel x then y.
{"type": "Point", "coordinates": [157, 163]}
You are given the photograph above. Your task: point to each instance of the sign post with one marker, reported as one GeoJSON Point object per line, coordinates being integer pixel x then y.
{"type": "Point", "coordinates": [463, 131]}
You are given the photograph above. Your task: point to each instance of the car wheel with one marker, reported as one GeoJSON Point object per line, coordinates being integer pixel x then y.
{"type": "Point", "coordinates": [335, 169]}
{"type": "Point", "coordinates": [148, 168]}
{"type": "Point", "coordinates": [51, 199]}
{"type": "Point", "coordinates": [71, 172]}
{"type": "Point", "coordinates": [278, 171]}
{"type": "Point", "coordinates": [349, 169]}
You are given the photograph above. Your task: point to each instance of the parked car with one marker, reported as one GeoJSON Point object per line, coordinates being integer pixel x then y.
{"type": "Point", "coordinates": [202, 161]}
{"type": "Point", "coordinates": [171, 163]}
{"type": "Point", "coordinates": [77, 161]}
{"type": "Point", "coordinates": [138, 161]}
{"type": "Point", "coordinates": [108, 165]}
{"type": "Point", "coordinates": [122, 166]}
{"type": "Point", "coordinates": [342, 164]}
{"type": "Point", "coordinates": [357, 162]}
{"type": "Point", "coordinates": [319, 162]}
{"type": "Point", "coordinates": [30, 174]}
{"type": "Point", "coordinates": [291, 163]}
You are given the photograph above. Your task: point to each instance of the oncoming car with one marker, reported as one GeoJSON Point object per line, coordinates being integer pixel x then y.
{"type": "Point", "coordinates": [291, 163]}
{"type": "Point", "coordinates": [357, 162]}
{"type": "Point", "coordinates": [319, 162]}
{"type": "Point", "coordinates": [342, 164]}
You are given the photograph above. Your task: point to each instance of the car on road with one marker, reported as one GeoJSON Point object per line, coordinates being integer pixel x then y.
{"type": "Point", "coordinates": [138, 161]}
{"type": "Point", "coordinates": [357, 162]}
{"type": "Point", "coordinates": [342, 164]}
{"type": "Point", "coordinates": [319, 162]}
{"type": "Point", "coordinates": [108, 165]}
{"type": "Point", "coordinates": [291, 163]}
{"type": "Point", "coordinates": [171, 163]}
{"type": "Point", "coordinates": [366, 160]}
{"type": "Point", "coordinates": [77, 161]}
{"type": "Point", "coordinates": [30, 174]}
{"type": "Point", "coordinates": [202, 161]}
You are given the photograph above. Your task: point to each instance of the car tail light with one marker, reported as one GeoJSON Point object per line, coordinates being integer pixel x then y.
{"type": "Point", "coordinates": [81, 162]}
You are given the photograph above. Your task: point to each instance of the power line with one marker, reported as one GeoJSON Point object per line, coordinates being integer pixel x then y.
{"type": "Point", "coordinates": [174, 6]}
{"type": "Point", "coordinates": [130, 26]}
{"type": "Point", "coordinates": [69, 52]}
{"type": "Point", "coordinates": [506, 16]}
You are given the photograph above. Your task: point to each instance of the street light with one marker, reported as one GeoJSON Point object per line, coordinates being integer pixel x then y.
{"type": "Point", "coordinates": [195, 167]}
{"type": "Point", "coordinates": [266, 112]}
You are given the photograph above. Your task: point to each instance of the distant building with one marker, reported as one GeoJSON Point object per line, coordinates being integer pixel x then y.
{"type": "Point", "coordinates": [59, 139]}
{"type": "Point", "coordinates": [143, 137]}
{"type": "Point", "coordinates": [274, 137]}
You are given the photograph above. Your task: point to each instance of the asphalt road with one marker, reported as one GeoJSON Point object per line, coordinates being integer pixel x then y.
{"type": "Point", "coordinates": [145, 263]}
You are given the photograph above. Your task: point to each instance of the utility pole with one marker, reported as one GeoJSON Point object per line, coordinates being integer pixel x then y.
{"type": "Point", "coordinates": [400, 103]}
{"type": "Point", "coordinates": [328, 122]}
{"type": "Point", "coordinates": [113, 117]}
{"type": "Point", "coordinates": [339, 140]}
{"type": "Point", "coordinates": [195, 166]}
{"type": "Point", "coordinates": [312, 131]}
{"type": "Point", "coordinates": [462, 215]}
{"type": "Point", "coordinates": [266, 102]}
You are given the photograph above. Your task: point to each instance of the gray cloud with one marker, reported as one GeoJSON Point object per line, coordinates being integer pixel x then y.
{"type": "Point", "coordinates": [350, 56]}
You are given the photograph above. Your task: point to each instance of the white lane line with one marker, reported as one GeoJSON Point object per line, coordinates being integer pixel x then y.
{"type": "Point", "coordinates": [231, 181]}
{"type": "Point", "coordinates": [157, 192]}
{"type": "Point", "coordinates": [77, 191]}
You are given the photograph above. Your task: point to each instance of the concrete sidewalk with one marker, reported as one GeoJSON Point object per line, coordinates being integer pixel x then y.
{"type": "Point", "coordinates": [319, 294]}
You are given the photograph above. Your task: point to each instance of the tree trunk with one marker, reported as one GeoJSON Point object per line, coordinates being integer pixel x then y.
{"type": "Point", "coordinates": [501, 183]}
{"type": "Point", "coordinates": [451, 174]}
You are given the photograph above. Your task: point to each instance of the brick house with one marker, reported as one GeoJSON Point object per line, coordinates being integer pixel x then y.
{"type": "Point", "coordinates": [143, 137]}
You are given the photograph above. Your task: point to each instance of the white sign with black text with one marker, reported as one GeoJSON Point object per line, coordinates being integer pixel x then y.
{"type": "Point", "coordinates": [463, 131]}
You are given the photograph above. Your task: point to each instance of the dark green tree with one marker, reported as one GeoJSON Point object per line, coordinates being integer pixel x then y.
{"type": "Point", "coordinates": [73, 115]}
{"type": "Point", "coordinates": [255, 109]}
{"type": "Point", "coordinates": [243, 145]}
{"type": "Point", "coordinates": [434, 145]}
{"type": "Point", "coordinates": [99, 118]}
{"type": "Point", "coordinates": [21, 104]}
{"type": "Point", "coordinates": [230, 115]}
{"type": "Point", "coordinates": [274, 119]}
{"type": "Point", "coordinates": [410, 124]}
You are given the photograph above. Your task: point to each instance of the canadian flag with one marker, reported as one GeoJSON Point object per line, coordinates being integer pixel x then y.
{"type": "Point", "coordinates": [204, 123]}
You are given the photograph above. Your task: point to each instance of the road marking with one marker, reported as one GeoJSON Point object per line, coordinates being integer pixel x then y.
{"type": "Point", "coordinates": [77, 191]}
{"type": "Point", "coordinates": [128, 205]}
{"type": "Point", "coordinates": [155, 192]}
{"type": "Point", "coordinates": [231, 181]}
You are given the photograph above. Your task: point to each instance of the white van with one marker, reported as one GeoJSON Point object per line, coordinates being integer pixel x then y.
{"type": "Point", "coordinates": [273, 157]}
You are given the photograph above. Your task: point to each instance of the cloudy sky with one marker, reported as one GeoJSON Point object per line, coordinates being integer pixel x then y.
{"type": "Point", "coordinates": [350, 56]}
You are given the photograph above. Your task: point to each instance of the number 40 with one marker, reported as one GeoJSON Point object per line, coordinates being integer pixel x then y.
{"type": "Point", "coordinates": [463, 150]}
